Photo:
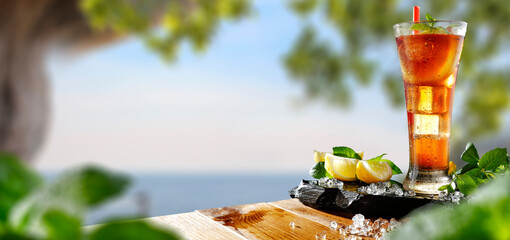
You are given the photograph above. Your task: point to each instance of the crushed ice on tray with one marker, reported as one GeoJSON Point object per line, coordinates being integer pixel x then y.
{"type": "Point", "coordinates": [387, 188]}
{"type": "Point", "coordinates": [329, 183]}
{"type": "Point", "coordinates": [362, 227]}
{"type": "Point", "coordinates": [384, 188]}
{"type": "Point", "coordinates": [454, 197]}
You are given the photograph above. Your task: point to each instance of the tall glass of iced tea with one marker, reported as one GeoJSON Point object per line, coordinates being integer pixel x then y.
{"type": "Point", "coordinates": [429, 54]}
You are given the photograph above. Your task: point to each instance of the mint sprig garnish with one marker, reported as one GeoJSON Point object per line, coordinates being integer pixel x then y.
{"type": "Point", "coordinates": [478, 170]}
{"type": "Point", "coordinates": [428, 27]}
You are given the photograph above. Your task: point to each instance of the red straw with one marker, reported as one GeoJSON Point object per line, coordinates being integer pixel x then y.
{"type": "Point", "coordinates": [416, 17]}
{"type": "Point", "coordinates": [416, 13]}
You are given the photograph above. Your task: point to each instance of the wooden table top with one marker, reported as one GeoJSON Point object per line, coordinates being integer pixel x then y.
{"type": "Point", "coordinates": [272, 220]}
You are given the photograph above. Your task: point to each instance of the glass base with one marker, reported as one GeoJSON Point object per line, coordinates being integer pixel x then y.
{"type": "Point", "coordinates": [426, 182]}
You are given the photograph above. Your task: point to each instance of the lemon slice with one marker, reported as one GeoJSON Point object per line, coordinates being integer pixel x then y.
{"type": "Point", "coordinates": [373, 171]}
{"type": "Point", "coordinates": [340, 167]}
{"type": "Point", "coordinates": [319, 156]}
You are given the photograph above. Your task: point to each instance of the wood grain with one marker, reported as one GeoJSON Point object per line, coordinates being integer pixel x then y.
{"type": "Point", "coordinates": [324, 218]}
{"type": "Point", "coordinates": [266, 221]}
{"type": "Point", "coordinates": [195, 226]}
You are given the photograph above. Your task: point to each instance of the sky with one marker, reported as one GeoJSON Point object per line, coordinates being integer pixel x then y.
{"type": "Point", "coordinates": [230, 109]}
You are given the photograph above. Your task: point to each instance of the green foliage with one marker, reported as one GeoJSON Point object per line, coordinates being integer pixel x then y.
{"type": "Point", "coordinates": [485, 216]}
{"type": "Point", "coordinates": [16, 181]}
{"type": "Point", "coordinates": [34, 210]}
{"type": "Point", "coordinates": [193, 21]}
{"type": "Point", "coordinates": [345, 152]}
{"type": "Point", "coordinates": [330, 71]}
{"type": "Point", "coordinates": [478, 170]}
{"type": "Point", "coordinates": [470, 155]}
{"type": "Point", "coordinates": [132, 230]}
{"type": "Point", "coordinates": [92, 185]}
{"type": "Point", "coordinates": [318, 171]}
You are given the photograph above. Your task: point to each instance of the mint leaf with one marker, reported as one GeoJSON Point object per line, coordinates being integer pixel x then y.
{"type": "Point", "coordinates": [447, 187]}
{"type": "Point", "coordinates": [466, 184]}
{"type": "Point", "coordinates": [318, 171]}
{"type": "Point", "coordinates": [493, 159]}
{"type": "Point", "coordinates": [429, 17]}
{"type": "Point", "coordinates": [470, 154]}
{"type": "Point", "coordinates": [476, 173]}
{"type": "Point", "coordinates": [347, 152]}
{"type": "Point", "coordinates": [468, 167]}
{"type": "Point", "coordinates": [421, 27]}
{"type": "Point", "coordinates": [378, 158]}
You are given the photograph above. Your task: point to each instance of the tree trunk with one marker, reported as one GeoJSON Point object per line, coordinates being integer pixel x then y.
{"type": "Point", "coordinates": [27, 29]}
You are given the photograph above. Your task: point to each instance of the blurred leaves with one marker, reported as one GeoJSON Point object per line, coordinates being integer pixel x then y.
{"type": "Point", "coordinates": [34, 210]}
{"type": "Point", "coordinates": [16, 181]}
{"type": "Point", "coordinates": [133, 230]}
{"type": "Point", "coordinates": [485, 216]}
{"type": "Point", "coordinates": [331, 71]}
{"type": "Point", "coordinates": [193, 21]}
{"type": "Point", "coordinates": [362, 27]}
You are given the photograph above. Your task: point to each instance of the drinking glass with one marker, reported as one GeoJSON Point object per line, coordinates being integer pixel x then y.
{"type": "Point", "coordinates": [429, 53]}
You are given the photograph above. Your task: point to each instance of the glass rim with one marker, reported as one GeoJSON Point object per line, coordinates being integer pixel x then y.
{"type": "Point", "coordinates": [427, 21]}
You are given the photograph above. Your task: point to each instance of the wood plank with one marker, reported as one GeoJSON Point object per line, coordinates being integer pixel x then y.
{"type": "Point", "coordinates": [195, 226]}
{"type": "Point", "coordinates": [324, 218]}
{"type": "Point", "coordinates": [266, 221]}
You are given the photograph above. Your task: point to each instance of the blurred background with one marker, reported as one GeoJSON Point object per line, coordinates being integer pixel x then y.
{"type": "Point", "coordinates": [211, 103]}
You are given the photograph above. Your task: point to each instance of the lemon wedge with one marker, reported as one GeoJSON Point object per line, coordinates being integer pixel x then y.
{"type": "Point", "coordinates": [340, 167]}
{"type": "Point", "coordinates": [319, 156]}
{"type": "Point", "coordinates": [373, 171]}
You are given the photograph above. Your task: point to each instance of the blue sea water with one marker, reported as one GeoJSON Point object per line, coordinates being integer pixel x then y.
{"type": "Point", "coordinates": [164, 194]}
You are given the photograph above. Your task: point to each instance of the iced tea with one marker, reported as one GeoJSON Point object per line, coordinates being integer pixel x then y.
{"type": "Point", "coordinates": [429, 60]}
{"type": "Point", "coordinates": [429, 67]}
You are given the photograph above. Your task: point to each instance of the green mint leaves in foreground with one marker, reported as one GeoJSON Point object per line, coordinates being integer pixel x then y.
{"type": "Point", "coordinates": [485, 216]}
{"type": "Point", "coordinates": [33, 209]}
{"type": "Point", "coordinates": [478, 170]}
{"type": "Point", "coordinates": [318, 171]}
{"type": "Point", "coordinates": [428, 27]}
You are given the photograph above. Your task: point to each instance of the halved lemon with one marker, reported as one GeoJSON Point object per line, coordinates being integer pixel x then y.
{"type": "Point", "coordinates": [340, 167]}
{"type": "Point", "coordinates": [373, 171]}
{"type": "Point", "coordinates": [319, 156]}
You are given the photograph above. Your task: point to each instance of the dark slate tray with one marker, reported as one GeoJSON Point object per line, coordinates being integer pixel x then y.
{"type": "Point", "coordinates": [349, 200]}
